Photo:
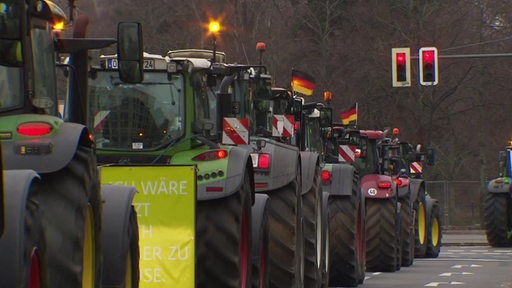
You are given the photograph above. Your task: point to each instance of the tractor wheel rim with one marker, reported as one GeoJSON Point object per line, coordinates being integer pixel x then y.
{"type": "Point", "coordinates": [128, 272]}
{"type": "Point", "coordinates": [89, 251]}
{"type": "Point", "coordinates": [35, 270]}
{"type": "Point", "coordinates": [421, 223]}
{"type": "Point", "coordinates": [435, 232]}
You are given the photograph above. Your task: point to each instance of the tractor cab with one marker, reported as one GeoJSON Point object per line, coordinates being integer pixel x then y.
{"type": "Point", "coordinates": [26, 89]}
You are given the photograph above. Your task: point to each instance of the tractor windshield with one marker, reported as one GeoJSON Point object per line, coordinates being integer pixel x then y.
{"type": "Point", "coordinates": [142, 116]}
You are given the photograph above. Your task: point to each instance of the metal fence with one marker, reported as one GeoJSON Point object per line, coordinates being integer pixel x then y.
{"type": "Point", "coordinates": [459, 201]}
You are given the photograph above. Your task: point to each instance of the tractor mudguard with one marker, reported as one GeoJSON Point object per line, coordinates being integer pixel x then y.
{"type": "Point", "coordinates": [403, 191]}
{"type": "Point", "coordinates": [117, 206]}
{"type": "Point", "coordinates": [429, 203]}
{"type": "Point", "coordinates": [237, 166]}
{"type": "Point", "coordinates": [285, 161]}
{"type": "Point", "coordinates": [416, 186]}
{"type": "Point", "coordinates": [51, 154]}
{"type": "Point", "coordinates": [499, 185]}
{"type": "Point", "coordinates": [372, 186]}
{"type": "Point", "coordinates": [17, 184]}
{"type": "Point", "coordinates": [309, 162]}
{"type": "Point", "coordinates": [342, 176]}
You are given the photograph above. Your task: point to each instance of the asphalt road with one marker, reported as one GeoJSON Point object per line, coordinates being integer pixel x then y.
{"type": "Point", "coordinates": [465, 261]}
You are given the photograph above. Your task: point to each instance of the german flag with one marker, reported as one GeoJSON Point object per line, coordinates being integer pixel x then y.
{"type": "Point", "coordinates": [349, 115]}
{"type": "Point", "coordinates": [303, 82]}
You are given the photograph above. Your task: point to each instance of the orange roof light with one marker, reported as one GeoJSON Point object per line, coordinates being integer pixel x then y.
{"type": "Point", "coordinates": [261, 46]}
{"type": "Point", "coordinates": [327, 96]}
{"type": "Point", "coordinates": [58, 26]}
{"type": "Point", "coordinates": [396, 131]}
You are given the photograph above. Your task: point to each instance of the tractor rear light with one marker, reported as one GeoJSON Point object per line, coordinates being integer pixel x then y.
{"type": "Point", "coordinates": [357, 153]}
{"type": "Point", "coordinates": [296, 126]}
{"type": "Point", "coordinates": [34, 129]}
{"type": "Point", "coordinates": [499, 181]}
{"type": "Point", "coordinates": [264, 161]}
{"type": "Point", "coordinates": [326, 177]}
{"type": "Point", "coordinates": [384, 185]}
{"type": "Point", "coordinates": [397, 181]}
{"type": "Point", "coordinates": [211, 155]}
{"type": "Point", "coordinates": [260, 161]}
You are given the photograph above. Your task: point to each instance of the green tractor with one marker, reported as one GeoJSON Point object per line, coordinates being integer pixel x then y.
{"type": "Point", "coordinates": [171, 117]}
{"type": "Point", "coordinates": [498, 204]}
{"type": "Point", "coordinates": [58, 220]}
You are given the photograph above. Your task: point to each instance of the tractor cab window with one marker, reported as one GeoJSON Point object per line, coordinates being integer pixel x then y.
{"type": "Point", "coordinates": [11, 88]}
{"type": "Point", "coordinates": [141, 116]}
{"type": "Point", "coordinates": [11, 61]}
{"type": "Point", "coordinates": [368, 161]}
{"type": "Point", "coordinates": [263, 109]}
{"type": "Point", "coordinates": [205, 106]}
{"type": "Point", "coordinates": [45, 93]}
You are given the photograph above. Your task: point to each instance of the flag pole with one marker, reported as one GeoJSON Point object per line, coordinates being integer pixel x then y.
{"type": "Point", "coordinates": [357, 112]}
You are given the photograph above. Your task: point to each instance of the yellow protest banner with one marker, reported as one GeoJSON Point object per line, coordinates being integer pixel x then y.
{"type": "Point", "coordinates": [165, 205]}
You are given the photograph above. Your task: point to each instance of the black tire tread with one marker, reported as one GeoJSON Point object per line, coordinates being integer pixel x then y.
{"type": "Point", "coordinates": [407, 236]}
{"type": "Point", "coordinates": [285, 234]}
{"type": "Point", "coordinates": [496, 219]}
{"type": "Point", "coordinates": [219, 229]}
{"type": "Point", "coordinates": [312, 201]}
{"type": "Point", "coordinates": [381, 235]}
{"type": "Point", "coordinates": [67, 196]}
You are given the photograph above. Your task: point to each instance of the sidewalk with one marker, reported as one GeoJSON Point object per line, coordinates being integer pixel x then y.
{"type": "Point", "coordinates": [464, 238]}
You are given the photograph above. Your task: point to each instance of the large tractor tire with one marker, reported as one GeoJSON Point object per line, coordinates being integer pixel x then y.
{"type": "Point", "coordinates": [325, 260]}
{"type": "Point", "coordinates": [286, 236]}
{"type": "Point", "coordinates": [344, 247]}
{"type": "Point", "coordinates": [346, 239]}
{"type": "Point", "coordinates": [260, 243]}
{"type": "Point", "coordinates": [498, 219]}
{"type": "Point", "coordinates": [381, 235]}
{"type": "Point", "coordinates": [420, 225]}
{"type": "Point", "coordinates": [312, 215]}
{"type": "Point", "coordinates": [71, 209]}
{"type": "Point", "coordinates": [224, 240]}
{"type": "Point", "coordinates": [434, 233]}
{"type": "Point", "coordinates": [407, 232]}
{"type": "Point", "coordinates": [22, 245]}
{"type": "Point", "coordinates": [120, 238]}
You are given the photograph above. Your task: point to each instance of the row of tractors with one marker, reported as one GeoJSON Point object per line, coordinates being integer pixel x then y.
{"type": "Point", "coordinates": [273, 201]}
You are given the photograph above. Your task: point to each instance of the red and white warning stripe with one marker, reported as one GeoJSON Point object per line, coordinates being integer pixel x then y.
{"type": "Point", "coordinates": [347, 153]}
{"type": "Point", "coordinates": [416, 167]}
{"type": "Point", "coordinates": [99, 120]}
{"type": "Point", "coordinates": [283, 125]}
{"type": "Point", "coordinates": [235, 131]}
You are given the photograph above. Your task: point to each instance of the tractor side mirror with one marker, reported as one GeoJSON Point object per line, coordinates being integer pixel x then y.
{"type": "Point", "coordinates": [325, 117]}
{"type": "Point", "coordinates": [130, 52]}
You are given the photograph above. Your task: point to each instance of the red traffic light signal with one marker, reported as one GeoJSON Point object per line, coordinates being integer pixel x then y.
{"type": "Point", "coordinates": [401, 67]}
{"type": "Point", "coordinates": [428, 71]}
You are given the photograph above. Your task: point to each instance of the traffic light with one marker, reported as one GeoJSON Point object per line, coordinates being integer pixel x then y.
{"type": "Point", "coordinates": [428, 66]}
{"type": "Point", "coordinates": [401, 67]}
